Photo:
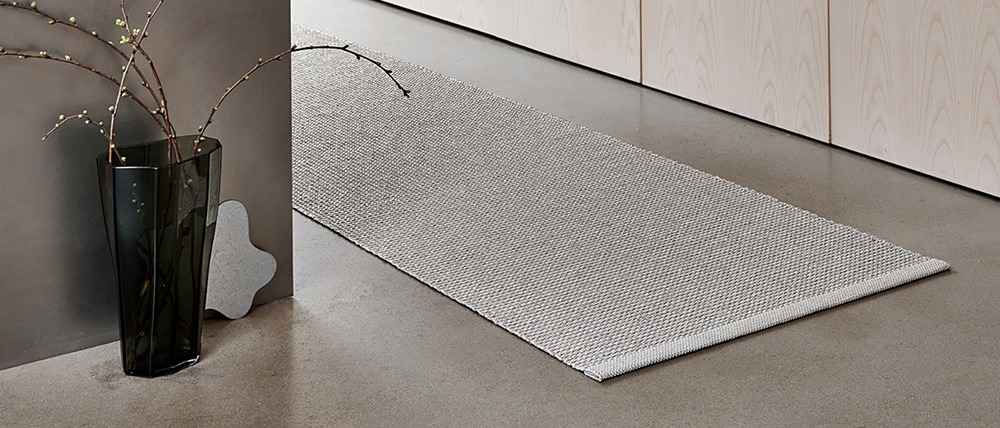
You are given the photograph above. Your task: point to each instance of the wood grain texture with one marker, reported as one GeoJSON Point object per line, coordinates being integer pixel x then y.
{"type": "Point", "coordinates": [917, 83]}
{"type": "Point", "coordinates": [763, 59]}
{"type": "Point", "coordinates": [600, 34]}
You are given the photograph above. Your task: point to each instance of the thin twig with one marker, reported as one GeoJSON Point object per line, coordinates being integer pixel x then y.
{"type": "Point", "coordinates": [137, 43]}
{"type": "Point", "coordinates": [71, 61]}
{"type": "Point", "coordinates": [262, 62]}
{"type": "Point", "coordinates": [135, 38]}
{"type": "Point", "coordinates": [53, 20]}
{"type": "Point", "coordinates": [87, 120]}
{"type": "Point", "coordinates": [121, 88]}
{"type": "Point", "coordinates": [114, 108]}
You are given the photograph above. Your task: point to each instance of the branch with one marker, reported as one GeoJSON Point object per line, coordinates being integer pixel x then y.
{"type": "Point", "coordinates": [359, 56]}
{"type": "Point", "coordinates": [262, 62]}
{"type": "Point", "coordinates": [121, 86]}
{"type": "Point", "coordinates": [114, 108]}
{"type": "Point", "coordinates": [33, 8]}
{"type": "Point", "coordinates": [71, 23]}
{"type": "Point", "coordinates": [137, 43]}
{"type": "Point", "coordinates": [69, 60]}
{"type": "Point", "coordinates": [82, 116]}
{"type": "Point", "coordinates": [87, 120]}
{"type": "Point", "coordinates": [135, 37]}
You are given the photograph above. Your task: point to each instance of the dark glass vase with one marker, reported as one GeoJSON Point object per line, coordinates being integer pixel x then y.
{"type": "Point", "coordinates": [160, 215]}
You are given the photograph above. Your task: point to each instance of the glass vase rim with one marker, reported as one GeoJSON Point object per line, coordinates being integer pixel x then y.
{"type": "Point", "coordinates": [209, 145]}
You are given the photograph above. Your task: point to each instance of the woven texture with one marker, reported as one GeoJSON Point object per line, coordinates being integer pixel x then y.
{"type": "Point", "coordinates": [606, 256]}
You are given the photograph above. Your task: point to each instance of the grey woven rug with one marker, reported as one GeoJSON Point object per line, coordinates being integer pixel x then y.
{"type": "Point", "coordinates": [606, 256]}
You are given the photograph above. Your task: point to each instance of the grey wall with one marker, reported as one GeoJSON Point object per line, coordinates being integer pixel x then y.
{"type": "Point", "coordinates": [56, 286]}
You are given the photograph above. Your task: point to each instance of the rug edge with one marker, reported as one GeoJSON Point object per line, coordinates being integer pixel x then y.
{"type": "Point", "coordinates": [655, 354]}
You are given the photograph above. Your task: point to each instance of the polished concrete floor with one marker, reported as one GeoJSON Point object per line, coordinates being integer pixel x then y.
{"type": "Point", "coordinates": [362, 344]}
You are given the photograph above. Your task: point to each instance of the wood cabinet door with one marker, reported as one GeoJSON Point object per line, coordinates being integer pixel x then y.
{"type": "Point", "coordinates": [917, 83]}
{"type": "Point", "coordinates": [762, 59]}
{"type": "Point", "coordinates": [603, 34]}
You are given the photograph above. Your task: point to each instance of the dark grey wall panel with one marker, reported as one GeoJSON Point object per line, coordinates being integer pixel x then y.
{"type": "Point", "coordinates": [56, 286]}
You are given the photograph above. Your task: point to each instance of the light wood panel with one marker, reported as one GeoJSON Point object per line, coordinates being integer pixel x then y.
{"type": "Point", "coordinates": [917, 83]}
{"type": "Point", "coordinates": [763, 59]}
{"type": "Point", "coordinates": [600, 34]}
